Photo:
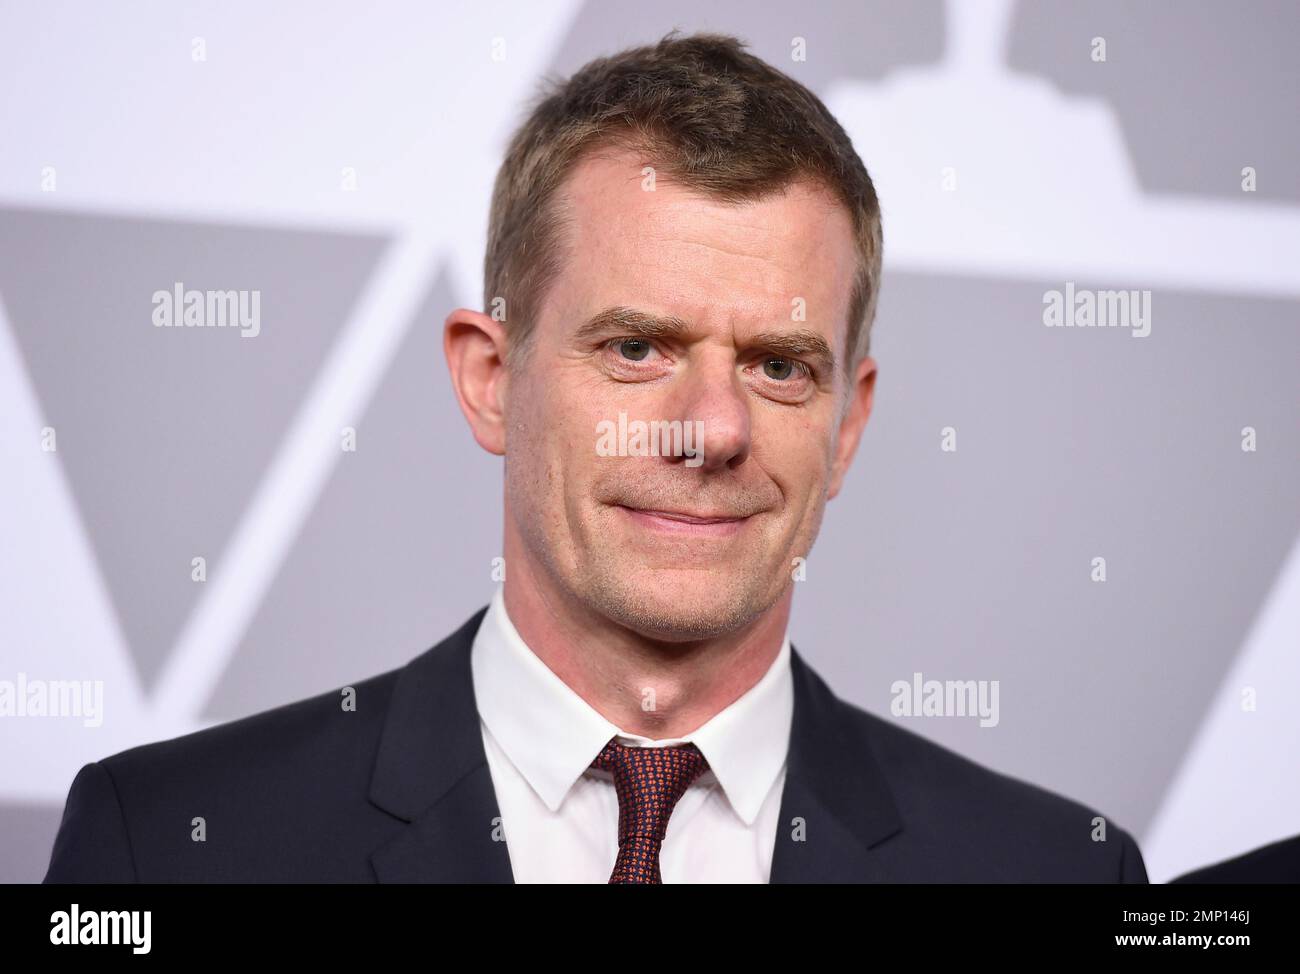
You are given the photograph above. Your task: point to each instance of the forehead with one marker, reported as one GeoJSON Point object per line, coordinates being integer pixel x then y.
{"type": "Point", "coordinates": [675, 249]}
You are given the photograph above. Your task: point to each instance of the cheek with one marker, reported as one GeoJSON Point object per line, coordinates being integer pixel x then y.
{"type": "Point", "coordinates": [798, 456]}
{"type": "Point", "coordinates": [564, 451]}
{"type": "Point", "coordinates": [530, 453]}
{"type": "Point", "coordinates": [550, 458]}
{"type": "Point", "coordinates": [543, 422]}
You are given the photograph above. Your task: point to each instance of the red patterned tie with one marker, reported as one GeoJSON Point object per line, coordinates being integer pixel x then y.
{"type": "Point", "coordinates": [649, 781]}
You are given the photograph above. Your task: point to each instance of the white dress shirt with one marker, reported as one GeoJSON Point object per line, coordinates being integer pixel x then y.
{"type": "Point", "coordinates": [560, 816]}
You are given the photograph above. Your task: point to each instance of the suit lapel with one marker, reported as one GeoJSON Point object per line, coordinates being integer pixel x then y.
{"type": "Point", "coordinates": [836, 807]}
{"type": "Point", "coordinates": [431, 772]}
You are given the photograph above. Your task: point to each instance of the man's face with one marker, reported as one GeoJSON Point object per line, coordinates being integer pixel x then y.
{"type": "Point", "coordinates": [681, 547]}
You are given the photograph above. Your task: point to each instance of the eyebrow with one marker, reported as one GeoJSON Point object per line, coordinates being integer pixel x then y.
{"type": "Point", "coordinates": [799, 343]}
{"type": "Point", "coordinates": [630, 321]}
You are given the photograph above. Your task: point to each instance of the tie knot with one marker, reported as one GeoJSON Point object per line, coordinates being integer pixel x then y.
{"type": "Point", "coordinates": [648, 781]}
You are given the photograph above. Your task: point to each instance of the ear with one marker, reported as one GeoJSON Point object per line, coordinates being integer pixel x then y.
{"type": "Point", "coordinates": [857, 412]}
{"type": "Point", "coordinates": [475, 346]}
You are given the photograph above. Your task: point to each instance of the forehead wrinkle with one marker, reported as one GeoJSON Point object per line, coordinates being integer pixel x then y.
{"type": "Point", "coordinates": [645, 224]}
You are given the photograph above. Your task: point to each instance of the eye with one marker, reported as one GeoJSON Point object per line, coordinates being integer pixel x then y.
{"type": "Point", "coordinates": [776, 367]}
{"type": "Point", "coordinates": [632, 349]}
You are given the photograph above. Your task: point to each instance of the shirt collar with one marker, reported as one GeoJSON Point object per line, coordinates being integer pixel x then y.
{"type": "Point", "coordinates": [551, 735]}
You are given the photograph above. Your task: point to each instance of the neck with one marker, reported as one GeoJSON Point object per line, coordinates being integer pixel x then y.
{"type": "Point", "coordinates": [644, 686]}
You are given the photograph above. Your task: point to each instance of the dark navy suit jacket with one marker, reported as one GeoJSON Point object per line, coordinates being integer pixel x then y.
{"type": "Point", "coordinates": [1277, 862]}
{"type": "Point", "coordinates": [398, 791]}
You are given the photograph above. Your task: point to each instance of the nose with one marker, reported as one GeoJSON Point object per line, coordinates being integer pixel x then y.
{"type": "Point", "coordinates": [713, 405]}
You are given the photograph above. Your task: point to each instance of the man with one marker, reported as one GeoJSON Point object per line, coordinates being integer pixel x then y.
{"type": "Point", "coordinates": [682, 271]}
{"type": "Point", "coordinates": [1277, 862]}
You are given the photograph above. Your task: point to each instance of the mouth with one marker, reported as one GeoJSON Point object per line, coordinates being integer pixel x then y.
{"type": "Point", "coordinates": [694, 524]}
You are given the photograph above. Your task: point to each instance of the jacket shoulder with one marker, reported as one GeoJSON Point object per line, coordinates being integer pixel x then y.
{"type": "Point", "coordinates": [971, 822]}
{"type": "Point", "coordinates": [132, 816]}
{"type": "Point", "coordinates": [305, 732]}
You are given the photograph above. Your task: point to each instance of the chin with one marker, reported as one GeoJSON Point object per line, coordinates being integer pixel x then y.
{"type": "Point", "coordinates": [678, 606]}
